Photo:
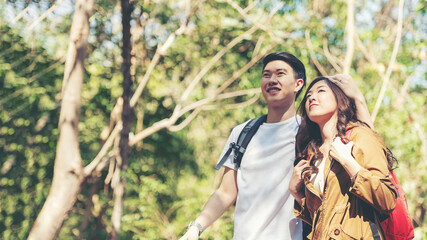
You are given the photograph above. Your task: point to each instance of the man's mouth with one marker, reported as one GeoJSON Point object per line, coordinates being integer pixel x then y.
{"type": "Point", "coordinates": [273, 89]}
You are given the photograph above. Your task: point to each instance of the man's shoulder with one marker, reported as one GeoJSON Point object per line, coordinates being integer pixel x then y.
{"type": "Point", "coordinates": [240, 126]}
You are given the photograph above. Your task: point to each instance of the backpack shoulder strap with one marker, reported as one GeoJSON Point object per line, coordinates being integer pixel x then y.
{"type": "Point", "coordinates": [243, 140]}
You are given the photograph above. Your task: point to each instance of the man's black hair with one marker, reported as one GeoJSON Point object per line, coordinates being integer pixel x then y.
{"type": "Point", "coordinates": [294, 62]}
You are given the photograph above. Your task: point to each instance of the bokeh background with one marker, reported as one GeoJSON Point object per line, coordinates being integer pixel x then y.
{"type": "Point", "coordinates": [196, 65]}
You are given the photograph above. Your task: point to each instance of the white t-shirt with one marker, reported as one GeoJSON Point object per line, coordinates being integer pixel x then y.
{"type": "Point", "coordinates": [264, 206]}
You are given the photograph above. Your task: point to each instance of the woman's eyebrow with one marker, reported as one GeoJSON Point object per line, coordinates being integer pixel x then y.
{"type": "Point", "coordinates": [321, 86]}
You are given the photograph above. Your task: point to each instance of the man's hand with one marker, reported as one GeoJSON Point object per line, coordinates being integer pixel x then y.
{"type": "Point", "coordinates": [347, 85]}
{"type": "Point", "coordinates": [191, 234]}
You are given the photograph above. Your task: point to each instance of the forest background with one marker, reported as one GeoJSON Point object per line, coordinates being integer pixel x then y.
{"type": "Point", "coordinates": [114, 113]}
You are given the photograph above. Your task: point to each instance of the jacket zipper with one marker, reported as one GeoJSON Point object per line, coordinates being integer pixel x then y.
{"type": "Point", "coordinates": [326, 180]}
{"type": "Point", "coordinates": [317, 216]}
{"type": "Point", "coordinates": [324, 187]}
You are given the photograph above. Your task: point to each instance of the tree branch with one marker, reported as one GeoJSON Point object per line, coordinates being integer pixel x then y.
{"type": "Point", "coordinates": [168, 122]}
{"type": "Point", "coordinates": [186, 121]}
{"type": "Point", "coordinates": [244, 14]}
{"type": "Point", "coordinates": [350, 37]}
{"type": "Point", "coordinates": [161, 51]}
{"type": "Point", "coordinates": [331, 59]}
{"type": "Point", "coordinates": [245, 103]}
{"type": "Point", "coordinates": [209, 65]}
{"type": "Point", "coordinates": [313, 54]}
{"type": "Point", "coordinates": [21, 14]}
{"type": "Point", "coordinates": [367, 54]}
{"type": "Point", "coordinates": [404, 89]}
{"type": "Point", "coordinates": [421, 134]}
{"type": "Point", "coordinates": [213, 60]}
{"type": "Point", "coordinates": [99, 157]}
{"type": "Point", "coordinates": [43, 16]}
{"type": "Point", "coordinates": [392, 61]}
{"type": "Point", "coordinates": [239, 73]}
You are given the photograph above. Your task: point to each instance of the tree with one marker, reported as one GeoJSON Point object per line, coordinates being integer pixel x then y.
{"type": "Point", "coordinates": [193, 63]}
{"type": "Point", "coordinates": [68, 172]}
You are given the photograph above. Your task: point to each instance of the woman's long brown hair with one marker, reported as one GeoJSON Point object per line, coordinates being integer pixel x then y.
{"type": "Point", "coordinates": [309, 136]}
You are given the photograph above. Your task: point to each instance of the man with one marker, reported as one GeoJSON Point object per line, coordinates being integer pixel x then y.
{"type": "Point", "coordinates": [264, 205]}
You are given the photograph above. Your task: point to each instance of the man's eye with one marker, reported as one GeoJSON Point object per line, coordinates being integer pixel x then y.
{"type": "Point", "coordinates": [266, 75]}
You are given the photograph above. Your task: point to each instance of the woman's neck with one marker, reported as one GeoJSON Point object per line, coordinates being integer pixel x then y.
{"type": "Point", "coordinates": [328, 131]}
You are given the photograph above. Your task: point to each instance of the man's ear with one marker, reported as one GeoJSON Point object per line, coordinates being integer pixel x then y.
{"type": "Point", "coordinates": [298, 84]}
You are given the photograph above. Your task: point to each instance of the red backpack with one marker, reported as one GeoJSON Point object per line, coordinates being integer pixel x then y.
{"type": "Point", "coordinates": [397, 225]}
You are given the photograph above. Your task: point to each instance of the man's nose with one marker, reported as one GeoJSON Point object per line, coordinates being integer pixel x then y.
{"type": "Point", "coordinates": [272, 80]}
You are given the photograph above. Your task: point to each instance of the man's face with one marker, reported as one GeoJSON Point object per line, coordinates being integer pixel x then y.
{"type": "Point", "coordinates": [278, 83]}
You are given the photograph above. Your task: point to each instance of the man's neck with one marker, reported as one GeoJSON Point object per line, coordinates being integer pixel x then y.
{"type": "Point", "coordinates": [280, 114]}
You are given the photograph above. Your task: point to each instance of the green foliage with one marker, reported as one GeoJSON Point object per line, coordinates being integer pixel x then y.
{"type": "Point", "coordinates": [171, 174]}
{"type": "Point", "coordinates": [28, 131]}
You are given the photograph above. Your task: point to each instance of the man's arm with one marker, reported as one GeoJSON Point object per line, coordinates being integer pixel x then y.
{"type": "Point", "coordinates": [217, 204]}
{"type": "Point", "coordinates": [349, 87]}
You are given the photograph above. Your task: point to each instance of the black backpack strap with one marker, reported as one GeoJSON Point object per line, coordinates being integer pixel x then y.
{"type": "Point", "coordinates": [243, 140]}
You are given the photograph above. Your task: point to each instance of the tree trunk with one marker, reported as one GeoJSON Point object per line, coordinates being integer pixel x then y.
{"type": "Point", "coordinates": [68, 175]}
{"type": "Point", "coordinates": [127, 116]}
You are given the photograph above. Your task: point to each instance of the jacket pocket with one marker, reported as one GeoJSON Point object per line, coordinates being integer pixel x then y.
{"type": "Point", "coordinates": [336, 232]}
{"type": "Point", "coordinates": [342, 226]}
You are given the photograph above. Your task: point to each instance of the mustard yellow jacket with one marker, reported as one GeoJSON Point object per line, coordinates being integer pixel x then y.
{"type": "Point", "coordinates": [351, 210]}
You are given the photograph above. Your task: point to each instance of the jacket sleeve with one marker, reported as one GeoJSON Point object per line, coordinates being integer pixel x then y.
{"type": "Point", "coordinates": [373, 182]}
{"type": "Point", "coordinates": [302, 212]}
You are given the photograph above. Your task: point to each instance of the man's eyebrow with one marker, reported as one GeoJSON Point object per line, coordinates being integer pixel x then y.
{"type": "Point", "coordinates": [277, 70]}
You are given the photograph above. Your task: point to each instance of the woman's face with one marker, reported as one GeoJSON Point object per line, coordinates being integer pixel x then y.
{"type": "Point", "coordinates": [321, 104]}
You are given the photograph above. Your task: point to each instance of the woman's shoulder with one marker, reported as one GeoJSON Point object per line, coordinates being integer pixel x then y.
{"type": "Point", "coordinates": [361, 132]}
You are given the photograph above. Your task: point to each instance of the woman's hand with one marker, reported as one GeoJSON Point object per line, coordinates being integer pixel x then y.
{"type": "Point", "coordinates": [342, 153]}
{"type": "Point", "coordinates": [297, 181]}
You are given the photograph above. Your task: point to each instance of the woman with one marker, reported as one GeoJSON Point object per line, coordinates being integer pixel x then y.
{"type": "Point", "coordinates": [342, 185]}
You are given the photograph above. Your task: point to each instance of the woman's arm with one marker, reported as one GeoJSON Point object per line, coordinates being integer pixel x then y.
{"type": "Point", "coordinates": [366, 164]}
{"type": "Point", "coordinates": [297, 190]}
{"type": "Point", "coordinates": [342, 153]}
{"type": "Point", "coordinates": [297, 181]}
{"type": "Point", "coordinates": [349, 87]}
